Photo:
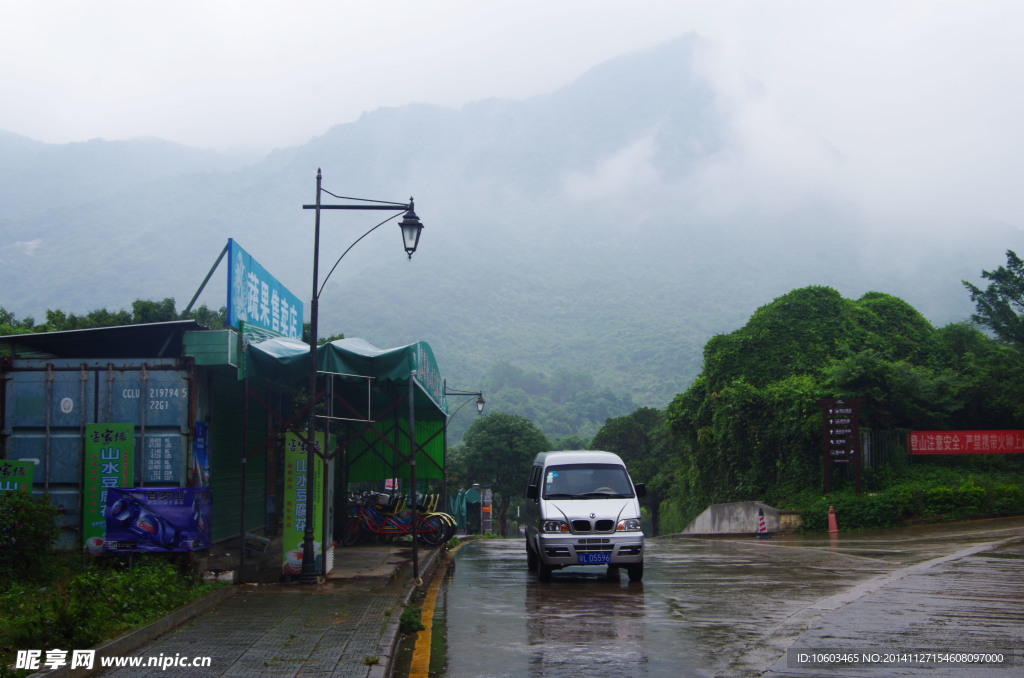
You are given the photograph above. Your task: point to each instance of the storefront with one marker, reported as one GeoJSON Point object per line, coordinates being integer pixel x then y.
{"type": "Point", "coordinates": [202, 415]}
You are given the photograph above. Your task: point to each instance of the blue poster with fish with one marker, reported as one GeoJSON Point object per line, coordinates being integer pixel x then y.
{"type": "Point", "coordinates": [157, 519]}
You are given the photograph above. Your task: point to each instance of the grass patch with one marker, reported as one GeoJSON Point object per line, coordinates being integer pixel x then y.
{"type": "Point", "coordinates": [86, 601]}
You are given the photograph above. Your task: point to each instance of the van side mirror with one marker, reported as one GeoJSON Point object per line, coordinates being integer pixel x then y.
{"type": "Point", "coordinates": [641, 490]}
{"type": "Point", "coordinates": [532, 492]}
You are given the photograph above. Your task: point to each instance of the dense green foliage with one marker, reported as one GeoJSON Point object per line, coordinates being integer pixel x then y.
{"type": "Point", "coordinates": [749, 426]}
{"type": "Point", "coordinates": [497, 452]}
{"type": "Point", "coordinates": [1000, 304]}
{"type": "Point", "coordinates": [646, 445]}
{"type": "Point", "coordinates": [89, 602]}
{"type": "Point", "coordinates": [932, 490]}
{"type": "Point", "coordinates": [28, 528]}
{"type": "Point", "coordinates": [60, 599]}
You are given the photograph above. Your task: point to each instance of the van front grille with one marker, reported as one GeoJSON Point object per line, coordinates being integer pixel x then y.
{"type": "Point", "coordinates": [594, 547]}
{"type": "Point", "coordinates": [581, 526]}
{"type": "Point", "coordinates": [604, 526]}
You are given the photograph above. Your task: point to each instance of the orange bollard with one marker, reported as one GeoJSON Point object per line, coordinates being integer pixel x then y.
{"type": "Point", "coordinates": [832, 527]}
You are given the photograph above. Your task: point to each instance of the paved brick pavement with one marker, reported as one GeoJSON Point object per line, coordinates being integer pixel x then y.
{"type": "Point", "coordinates": [285, 630]}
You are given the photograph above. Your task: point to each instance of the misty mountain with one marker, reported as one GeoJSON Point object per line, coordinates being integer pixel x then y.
{"type": "Point", "coordinates": [610, 227]}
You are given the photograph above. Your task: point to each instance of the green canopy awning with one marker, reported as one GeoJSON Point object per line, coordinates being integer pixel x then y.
{"type": "Point", "coordinates": [367, 392]}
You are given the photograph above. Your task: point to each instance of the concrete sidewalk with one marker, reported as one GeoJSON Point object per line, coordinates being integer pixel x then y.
{"type": "Point", "coordinates": [347, 626]}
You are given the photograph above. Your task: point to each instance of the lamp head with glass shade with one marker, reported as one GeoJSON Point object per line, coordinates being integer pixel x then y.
{"type": "Point", "coordinates": [411, 228]}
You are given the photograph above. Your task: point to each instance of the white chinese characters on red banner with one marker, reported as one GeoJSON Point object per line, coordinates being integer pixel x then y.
{"type": "Point", "coordinates": [965, 442]}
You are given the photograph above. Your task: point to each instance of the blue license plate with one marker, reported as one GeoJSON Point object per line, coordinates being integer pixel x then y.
{"type": "Point", "coordinates": [595, 557]}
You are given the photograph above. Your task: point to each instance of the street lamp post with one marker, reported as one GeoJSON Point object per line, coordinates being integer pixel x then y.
{"type": "Point", "coordinates": [411, 228]}
{"type": "Point", "coordinates": [480, 402]}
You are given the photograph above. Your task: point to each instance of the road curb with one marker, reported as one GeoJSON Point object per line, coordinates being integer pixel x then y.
{"type": "Point", "coordinates": [389, 639]}
{"type": "Point", "coordinates": [135, 639]}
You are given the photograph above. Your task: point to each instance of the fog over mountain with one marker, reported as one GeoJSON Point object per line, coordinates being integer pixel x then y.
{"type": "Point", "coordinates": [611, 226]}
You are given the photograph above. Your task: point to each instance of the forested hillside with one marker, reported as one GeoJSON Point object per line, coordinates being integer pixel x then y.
{"type": "Point", "coordinates": [750, 427]}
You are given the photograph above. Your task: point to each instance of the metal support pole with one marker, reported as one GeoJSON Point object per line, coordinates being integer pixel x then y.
{"type": "Point", "coordinates": [309, 575]}
{"type": "Point", "coordinates": [412, 474]}
{"type": "Point", "coordinates": [245, 473]}
{"type": "Point", "coordinates": [205, 280]}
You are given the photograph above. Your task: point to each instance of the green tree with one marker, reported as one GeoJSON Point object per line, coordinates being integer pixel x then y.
{"type": "Point", "coordinates": [153, 311]}
{"type": "Point", "coordinates": [9, 324]}
{"type": "Point", "coordinates": [498, 451]}
{"type": "Point", "coordinates": [59, 321]}
{"type": "Point", "coordinates": [1000, 305]}
{"type": "Point", "coordinates": [646, 445]}
{"type": "Point", "coordinates": [207, 317]}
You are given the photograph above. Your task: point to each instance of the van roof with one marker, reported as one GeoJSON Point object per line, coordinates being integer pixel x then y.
{"type": "Point", "coordinates": [576, 457]}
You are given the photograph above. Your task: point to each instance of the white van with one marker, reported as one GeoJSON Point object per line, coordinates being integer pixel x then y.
{"type": "Point", "coordinates": [583, 509]}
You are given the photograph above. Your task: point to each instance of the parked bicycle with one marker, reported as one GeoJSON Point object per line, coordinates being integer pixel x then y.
{"type": "Point", "coordinates": [380, 514]}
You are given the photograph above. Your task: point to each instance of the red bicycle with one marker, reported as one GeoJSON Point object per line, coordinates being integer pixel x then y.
{"type": "Point", "coordinates": [384, 515]}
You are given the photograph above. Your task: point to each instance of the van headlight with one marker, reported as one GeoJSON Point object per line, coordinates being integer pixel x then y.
{"type": "Point", "coordinates": [554, 526]}
{"type": "Point", "coordinates": [628, 525]}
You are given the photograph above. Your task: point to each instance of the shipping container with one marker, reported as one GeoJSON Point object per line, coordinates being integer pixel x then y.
{"type": "Point", "coordinates": [48, 403]}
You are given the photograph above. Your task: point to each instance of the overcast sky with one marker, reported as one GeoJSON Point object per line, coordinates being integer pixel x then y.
{"type": "Point", "coordinates": [923, 88]}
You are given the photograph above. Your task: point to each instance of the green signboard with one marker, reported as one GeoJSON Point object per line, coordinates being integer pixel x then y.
{"type": "Point", "coordinates": [296, 486]}
{"type": "Point", "coordinates": [109, 451]}
{"type": "Point", "coordinates": [16, 476]}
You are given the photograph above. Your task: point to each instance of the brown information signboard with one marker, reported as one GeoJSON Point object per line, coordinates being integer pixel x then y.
{"type": "Point", "coordinates": [840, 420]}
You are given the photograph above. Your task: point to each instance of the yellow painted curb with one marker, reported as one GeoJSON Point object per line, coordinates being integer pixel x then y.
{"type": "Point", "coordinates": [420, 665]}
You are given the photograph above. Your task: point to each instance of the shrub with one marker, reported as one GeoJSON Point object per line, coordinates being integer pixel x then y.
{"type": "Point", "coordinates": [929, 496]}
{"type": "Point", "coordinates": [28, 528]}
{"type": "Point", "coordinates": [410, 622]}
{"type": "Point", "coordinates": [91, 603]}
{"type": "Point", "coordinates": [969, 498]}
{"type": "Point", "coordinates": [672, 517]}
{"type": "Point", "coordinates": [887, 508]}
{"type": "Point", "coordinates": [1003, 499]}
{"type": "Point", "coordinates": [938, 500]}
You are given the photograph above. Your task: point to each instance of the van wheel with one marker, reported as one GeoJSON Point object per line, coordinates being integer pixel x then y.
{"type": "Point", "coordinates": [636, 572]}
{"type": "Point", "coordinates": [531, 558]}
{"type": "Point", "coordinates": [543, 571]}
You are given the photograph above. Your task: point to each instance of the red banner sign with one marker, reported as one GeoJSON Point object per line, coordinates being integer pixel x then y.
{"type": "Point", "coordinates": [965, 442]}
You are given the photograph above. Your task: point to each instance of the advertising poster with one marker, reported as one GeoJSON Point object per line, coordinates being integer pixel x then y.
{"type": "Point", "coordinates": [157, 519]}
{"type": "Point", "coordinates": [200, 456]}
{"type": "Point", "coordinates": [296, 486]}
{"type": "Point", "coordinates": [109, 454]}
{"type": "Point", "coordinates": [16, 476]}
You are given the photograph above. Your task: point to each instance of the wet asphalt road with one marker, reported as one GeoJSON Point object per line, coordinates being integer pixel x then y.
{"type": "Point", "coordinates": [733, 607]}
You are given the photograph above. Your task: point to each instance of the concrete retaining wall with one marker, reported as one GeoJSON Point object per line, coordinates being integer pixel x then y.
{"type": "Point", "coordinates": [741, 518]}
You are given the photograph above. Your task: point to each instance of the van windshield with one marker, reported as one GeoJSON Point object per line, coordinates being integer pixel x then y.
{"type": "Point", "coordinates": [587, 481]}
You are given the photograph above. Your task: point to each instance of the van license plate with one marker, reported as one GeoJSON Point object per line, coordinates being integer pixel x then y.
{"type": "Point", "coordinates": [595, 557]}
